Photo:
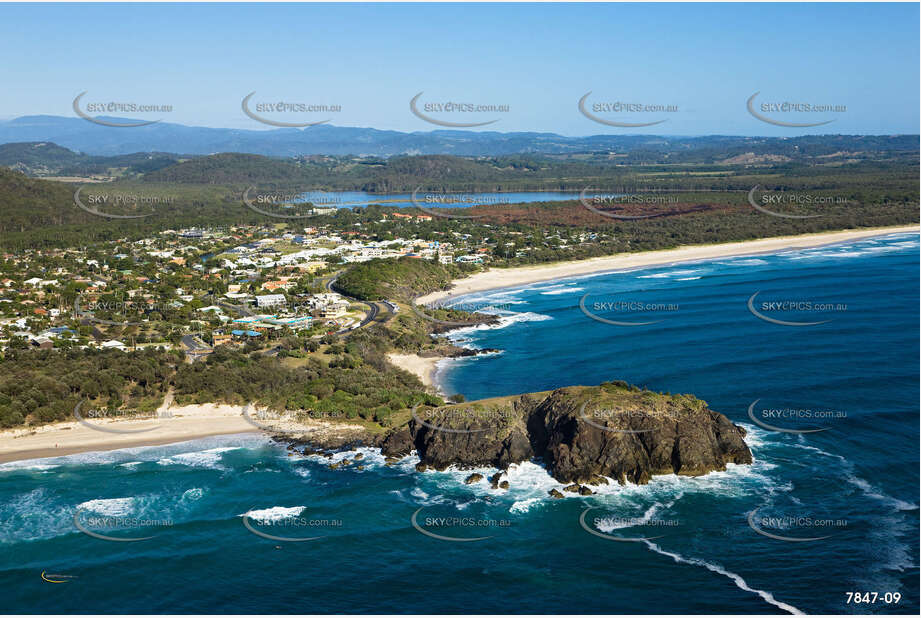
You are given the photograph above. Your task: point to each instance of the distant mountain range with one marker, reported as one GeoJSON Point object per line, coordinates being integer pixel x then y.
{"type": "Point", "coordinates": [92, 139]}
{"type": "Point", "coordinates": [49, 159]}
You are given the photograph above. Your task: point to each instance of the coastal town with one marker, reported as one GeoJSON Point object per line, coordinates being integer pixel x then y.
{"type": "Point", "coordinates": [195, 289]}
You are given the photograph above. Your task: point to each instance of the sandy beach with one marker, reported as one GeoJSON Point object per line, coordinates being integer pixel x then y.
{"type": "Point", "coordinates": [67, 438]}
{"type": "Point", "coordinates": [424, 367]}
{"type": "Point", "coordinates": [496, 278]}
{"type": "Point", "coordinates": [172, 424]}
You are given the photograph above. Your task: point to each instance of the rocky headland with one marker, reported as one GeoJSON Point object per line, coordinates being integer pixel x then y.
{"type": "Point", "coordinates": [583, 435]}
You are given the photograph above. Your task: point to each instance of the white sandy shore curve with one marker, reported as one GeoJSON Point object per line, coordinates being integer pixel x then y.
{"type": "Point", "coordinates": [498, 278]}
{"type": "Point", "coordinates": [67, 438]}
{"type": "Point", "coordinates": [423, 367]}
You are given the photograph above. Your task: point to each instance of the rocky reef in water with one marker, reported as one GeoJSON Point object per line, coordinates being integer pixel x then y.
{"type": "Point", "coordinates": [580, 433]}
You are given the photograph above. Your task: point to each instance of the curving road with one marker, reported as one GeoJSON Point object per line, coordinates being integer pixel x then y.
{"type": "Point", "coordinates": [373, 308]}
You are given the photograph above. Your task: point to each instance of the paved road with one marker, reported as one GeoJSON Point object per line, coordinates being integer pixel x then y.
{"type": "Point", "coordinates": [193, 343]}
{"type": "Point", "coordinates": [373, 308]}
{"type": "Point", "coordinates": [332, 280]}
{"type": "Point", "coordinates": [371, 315]}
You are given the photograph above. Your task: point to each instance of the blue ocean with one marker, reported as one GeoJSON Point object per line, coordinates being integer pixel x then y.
{"type": "Point", "coordinates": [814, 352]}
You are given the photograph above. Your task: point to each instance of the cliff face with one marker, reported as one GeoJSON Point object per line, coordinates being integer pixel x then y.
{"type": "Point", "coordinates": [612, 430]}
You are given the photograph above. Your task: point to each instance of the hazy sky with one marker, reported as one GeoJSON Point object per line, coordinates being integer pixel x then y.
{"type": "Point", "coordinates": [538, 59]}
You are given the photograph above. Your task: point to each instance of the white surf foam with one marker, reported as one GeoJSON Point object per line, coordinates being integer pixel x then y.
{"type": "Point", "coordinates": [499, 297]}
{"type": "Point", "coordinates": [275, 513]}
{"type": "Point", "coordinates": [371, 458]}
{"type": "Point", "coordinates": [142, 453]}
{"type": "Point", "coordinates": [872, 492]}
{"type": "Point", "coordinates": [859, 248]}
{"type": "Point", "coordinates": [192, 495]}
{"type": "Point", "coordinates": [209, 458]}
{"type": "Point", "coordinates": [735, 577]}
{"type": "Point", "coordinates": [755, 437]}
{"type": "Point", "coordinates": [37, 514]}
{"type": "Point", "coordinates": [542, 286]}
{"type": "Point", "coordinates": [28, 464]}
{"type": "Point", "coordinates": [669, 274]}
{"type": "Point", "coordinates": [526, 480]}
{"type": "Point", "coordinates": [423, 498]}
{"type": "Point", "coordinates": [867, 488]}
{"type": "Point", "coordinates": [608, 524]}
{"type": "Point", "coordinates": [504, 321]}
{"type": "Point", "coordinates": [530, 481]}
{"type": "Point", "coordinates": [113, 507]}
{"type": "Point", "coordinates": [561, 291]}
{"type": "Point", "coordinates": [523, 506]}
{"type": "Point", "coordinates": [742, 261]}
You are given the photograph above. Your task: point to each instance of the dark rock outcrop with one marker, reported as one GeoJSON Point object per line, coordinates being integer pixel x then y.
{"type": "Point", "coordinates": [582, 434]}
{"type": "Point", "coordinates": [473, 478]}
{"type": "Point", "coordinates": [328, 441]}
{"type": "Point", "coordinates": [458, 352]}
{"type": "Point", "coordinates": [398, 442]}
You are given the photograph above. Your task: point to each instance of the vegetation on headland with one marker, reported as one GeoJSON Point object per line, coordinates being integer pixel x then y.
{"type": "Point", "coordinates": [347, 380]}
{"type": "Point", "coordinates": [356, 382]}
{"type": "Point", "coordinates": [39, 387]}
{"type": "Point", "coordinates": [582, 434]}
{"type": "Point", "coordinates": [43, 386]}
{"type": "Point", "coordinates": [401, 279]}
{"type": "Point", "coordinates": [334, 377]}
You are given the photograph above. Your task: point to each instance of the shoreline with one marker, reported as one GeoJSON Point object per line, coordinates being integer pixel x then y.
{"type": "Point", "coordinates": [189, 422]}
{"type": "Point", "coordinates": [53, 453]}
{"type": "Point", "coordinates": [503, 278]}
{"type": "Point", "coordinates": [171, 426]}
{"type": "Point", "coordinates": [423, 367]}
{"type": "Point", "coordinates": [494, 279]}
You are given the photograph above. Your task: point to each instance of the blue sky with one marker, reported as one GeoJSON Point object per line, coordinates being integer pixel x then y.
{"type": "Point", "coordinates": [538, 59]}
